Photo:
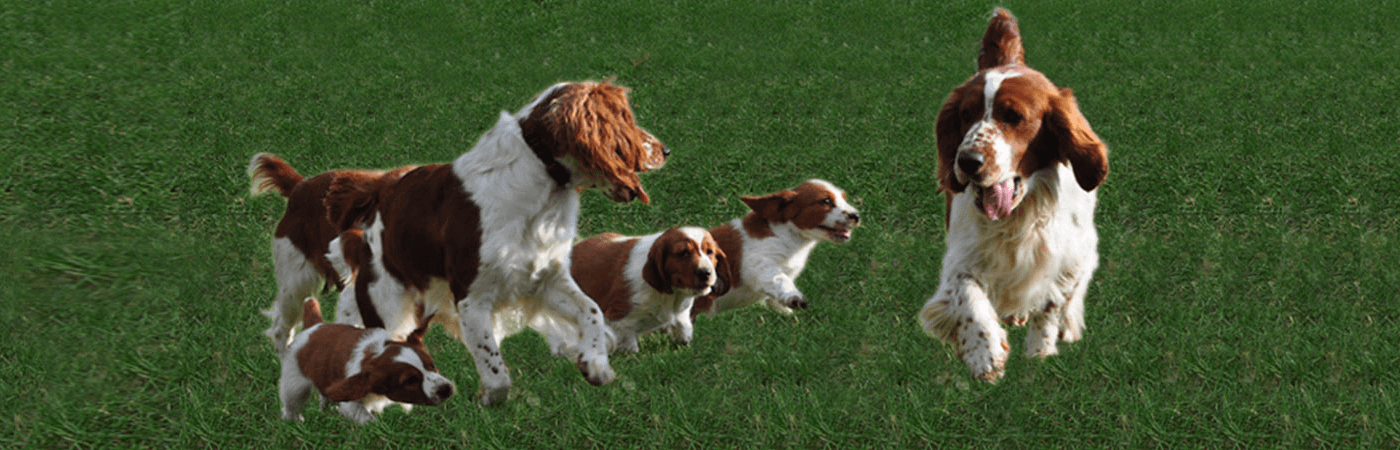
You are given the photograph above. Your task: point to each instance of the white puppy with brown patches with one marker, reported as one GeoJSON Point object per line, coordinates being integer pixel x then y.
{"type": "Point", "coordinates": [647, 283]}
{"type": "Point", "coordinates": [769, 246]}
{"type": "Point", "coordinates": [359, 369]}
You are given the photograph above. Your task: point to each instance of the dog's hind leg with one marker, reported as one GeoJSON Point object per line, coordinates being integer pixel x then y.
{"type": "Point", "coordinates": [296, 280]}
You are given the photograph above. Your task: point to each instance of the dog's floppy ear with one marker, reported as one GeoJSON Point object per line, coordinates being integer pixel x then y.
{"type": "Point", "coordinates": [948, 135]}
{"type": "Point", "coordinates": [771, 207]}
{"type": "Point", "coordinates": [311, 313]}
{"type": "Point", "coordinates": [352, 388]}
{"type": "Point", "coordinates": [1087, 155]}
{"type": "Point", "coordinates": [1001, 44]}
{"type": "Point", "coordinates": [724, 273]}
{"type": "Point", "coordinates": [654, 271]}
{"type": "Point", "coordinates": [415, 338]}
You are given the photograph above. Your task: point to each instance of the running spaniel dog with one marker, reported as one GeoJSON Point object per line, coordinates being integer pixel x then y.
{"type": "Point", "coordinates": [768, 247]}
{"type": "Point", "coordinates": [1019, 167]}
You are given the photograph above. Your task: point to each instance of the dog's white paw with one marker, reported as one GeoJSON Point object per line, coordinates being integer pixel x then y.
{"type": "Point", "coordinates": [596, 372]}
{"type": "Point", "coordinates": [984, 349]}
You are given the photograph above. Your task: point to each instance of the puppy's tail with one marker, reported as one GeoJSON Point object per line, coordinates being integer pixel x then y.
{"type": "Point", "coordinates": [269, 172]}
{"type": "Point", "coordinates": [310, 313]}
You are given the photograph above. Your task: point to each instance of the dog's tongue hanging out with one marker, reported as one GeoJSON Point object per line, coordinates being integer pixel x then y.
{"type": "Point", "coordinates": [997, 200]}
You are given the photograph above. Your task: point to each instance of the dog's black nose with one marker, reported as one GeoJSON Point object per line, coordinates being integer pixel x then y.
{"type": "Point", "coordinates": [445, 391]}
{"type": "Point", "coordinates": [665, 151]}
{"type": "Point", "coordinates": [970, 163]}
{"type": "Point", "coordinates": [854, 218]}
{"type": "Point", "coordinates": [703, 273]}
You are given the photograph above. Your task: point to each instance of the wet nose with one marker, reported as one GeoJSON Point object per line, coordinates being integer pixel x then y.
{"type": "Point", "coordinates": [970, 163]}
{"type": "Point", "coordinates": [445, 391]}
{"type": "Point", "coordinates": [703, 273]}
{"type": "Point", "coordinates": [854, 218]}
{"type": "Point", "coordinates": [665, 151]}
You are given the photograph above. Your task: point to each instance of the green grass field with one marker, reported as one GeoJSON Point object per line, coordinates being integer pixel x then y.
{"type": "Point", "coordinates": [1245, 296]}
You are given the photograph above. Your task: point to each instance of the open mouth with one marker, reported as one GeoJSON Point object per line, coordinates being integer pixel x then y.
{"type": "Point", "coordinates": [998, 200]}
{"type": "Point", "coordinates": [837, 234]}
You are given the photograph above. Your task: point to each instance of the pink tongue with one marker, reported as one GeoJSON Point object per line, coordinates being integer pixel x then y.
{"type": "Point", "coordinates": [997, 199]}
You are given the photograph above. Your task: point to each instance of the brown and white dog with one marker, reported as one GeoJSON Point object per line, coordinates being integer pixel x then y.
{"type": "Point", "coordinates": [485, 240]}
{"type": "Point", "coordinates": [360, 369]}
{"type": "Point", "coordinates": [768, 247]}
{"type": "Point", "coordinates": [1019, 167]}
{"type": "Point", "coordinates": [648, 283]}
{"type": "Point", "coordinates": [302, 237]}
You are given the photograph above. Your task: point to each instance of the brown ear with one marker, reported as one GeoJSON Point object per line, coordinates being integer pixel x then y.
{"type": "Point", "coordinates": [415, 338]}
{"type": "Point", "coordinates": [310, 313]}
{"type": "Point", "coordinates": [1087, 155]}
{"type": "Point", "coordinates": [1001, 44]}
{"type": "Point", "coordinates": [593, 124]}
{"type": "Point", "coordinates": [724, 274]}
{"type": "Point", "coordinates": [948, 135]}
{"type": "Point", "coordinates": [349, 389]}
{"type": "Point", "coordinates": [654, 271]}
{"type": "Point", "coordinates": [770, 207]}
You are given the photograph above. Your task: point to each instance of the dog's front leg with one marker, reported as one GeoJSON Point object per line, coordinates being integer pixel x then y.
{"type": "Point", "coordinates": [781, 289]}
{"type": "Point", "coordinates": [354, 410]}
{"type": "Point", "coordinates": [566, 298]}
{"type": "Point", "coordinates": [962, 315]}
{"type": "Point", "coordinates": [475, 316]}
{"type": "Point", "coordinates": [682, 330]}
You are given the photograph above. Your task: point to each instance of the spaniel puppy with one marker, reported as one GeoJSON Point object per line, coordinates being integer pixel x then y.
{"type": "Point", "coordinates": [301, 241]}
{"type": "Point", "coordinates": [360, 369]}
{"type": "Point", "coordinates": [648, 283]}
{"type": "Point", "coordinates": [1019, 166]}
{"type": "Point", "coordinates": [485, 240]}
{"type": "Point", "coordinates": [769, 246]}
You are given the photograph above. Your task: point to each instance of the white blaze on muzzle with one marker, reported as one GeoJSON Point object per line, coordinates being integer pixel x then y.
{"type": "Point", "coordinates": [998, 198]}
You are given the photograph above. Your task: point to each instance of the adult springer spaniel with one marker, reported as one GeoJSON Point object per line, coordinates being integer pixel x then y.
{"type": "Point", "coordinates": [485, 240]}
{"type": "Point", "coordinates": [1019, 166]}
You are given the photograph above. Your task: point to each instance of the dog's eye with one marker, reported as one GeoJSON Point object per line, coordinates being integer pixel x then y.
{"type": "Point", "coordinates": [967, 115]}
{"type": "Point", "coordinates": [1011, 117]}
{"type": "Point", "coordinates": [411, 380]}
{"type": "Point", "coordinates": [828, 202]}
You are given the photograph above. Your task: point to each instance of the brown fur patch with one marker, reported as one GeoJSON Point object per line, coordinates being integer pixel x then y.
{"type": "Point", "coordinates": [597, 265]}
{"type": "Point", "coordinates": [431, 228]}
{"type": "Point", "coordinates": [329, 347]}
{"type": "Point", "coordinates": [755, 226]}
